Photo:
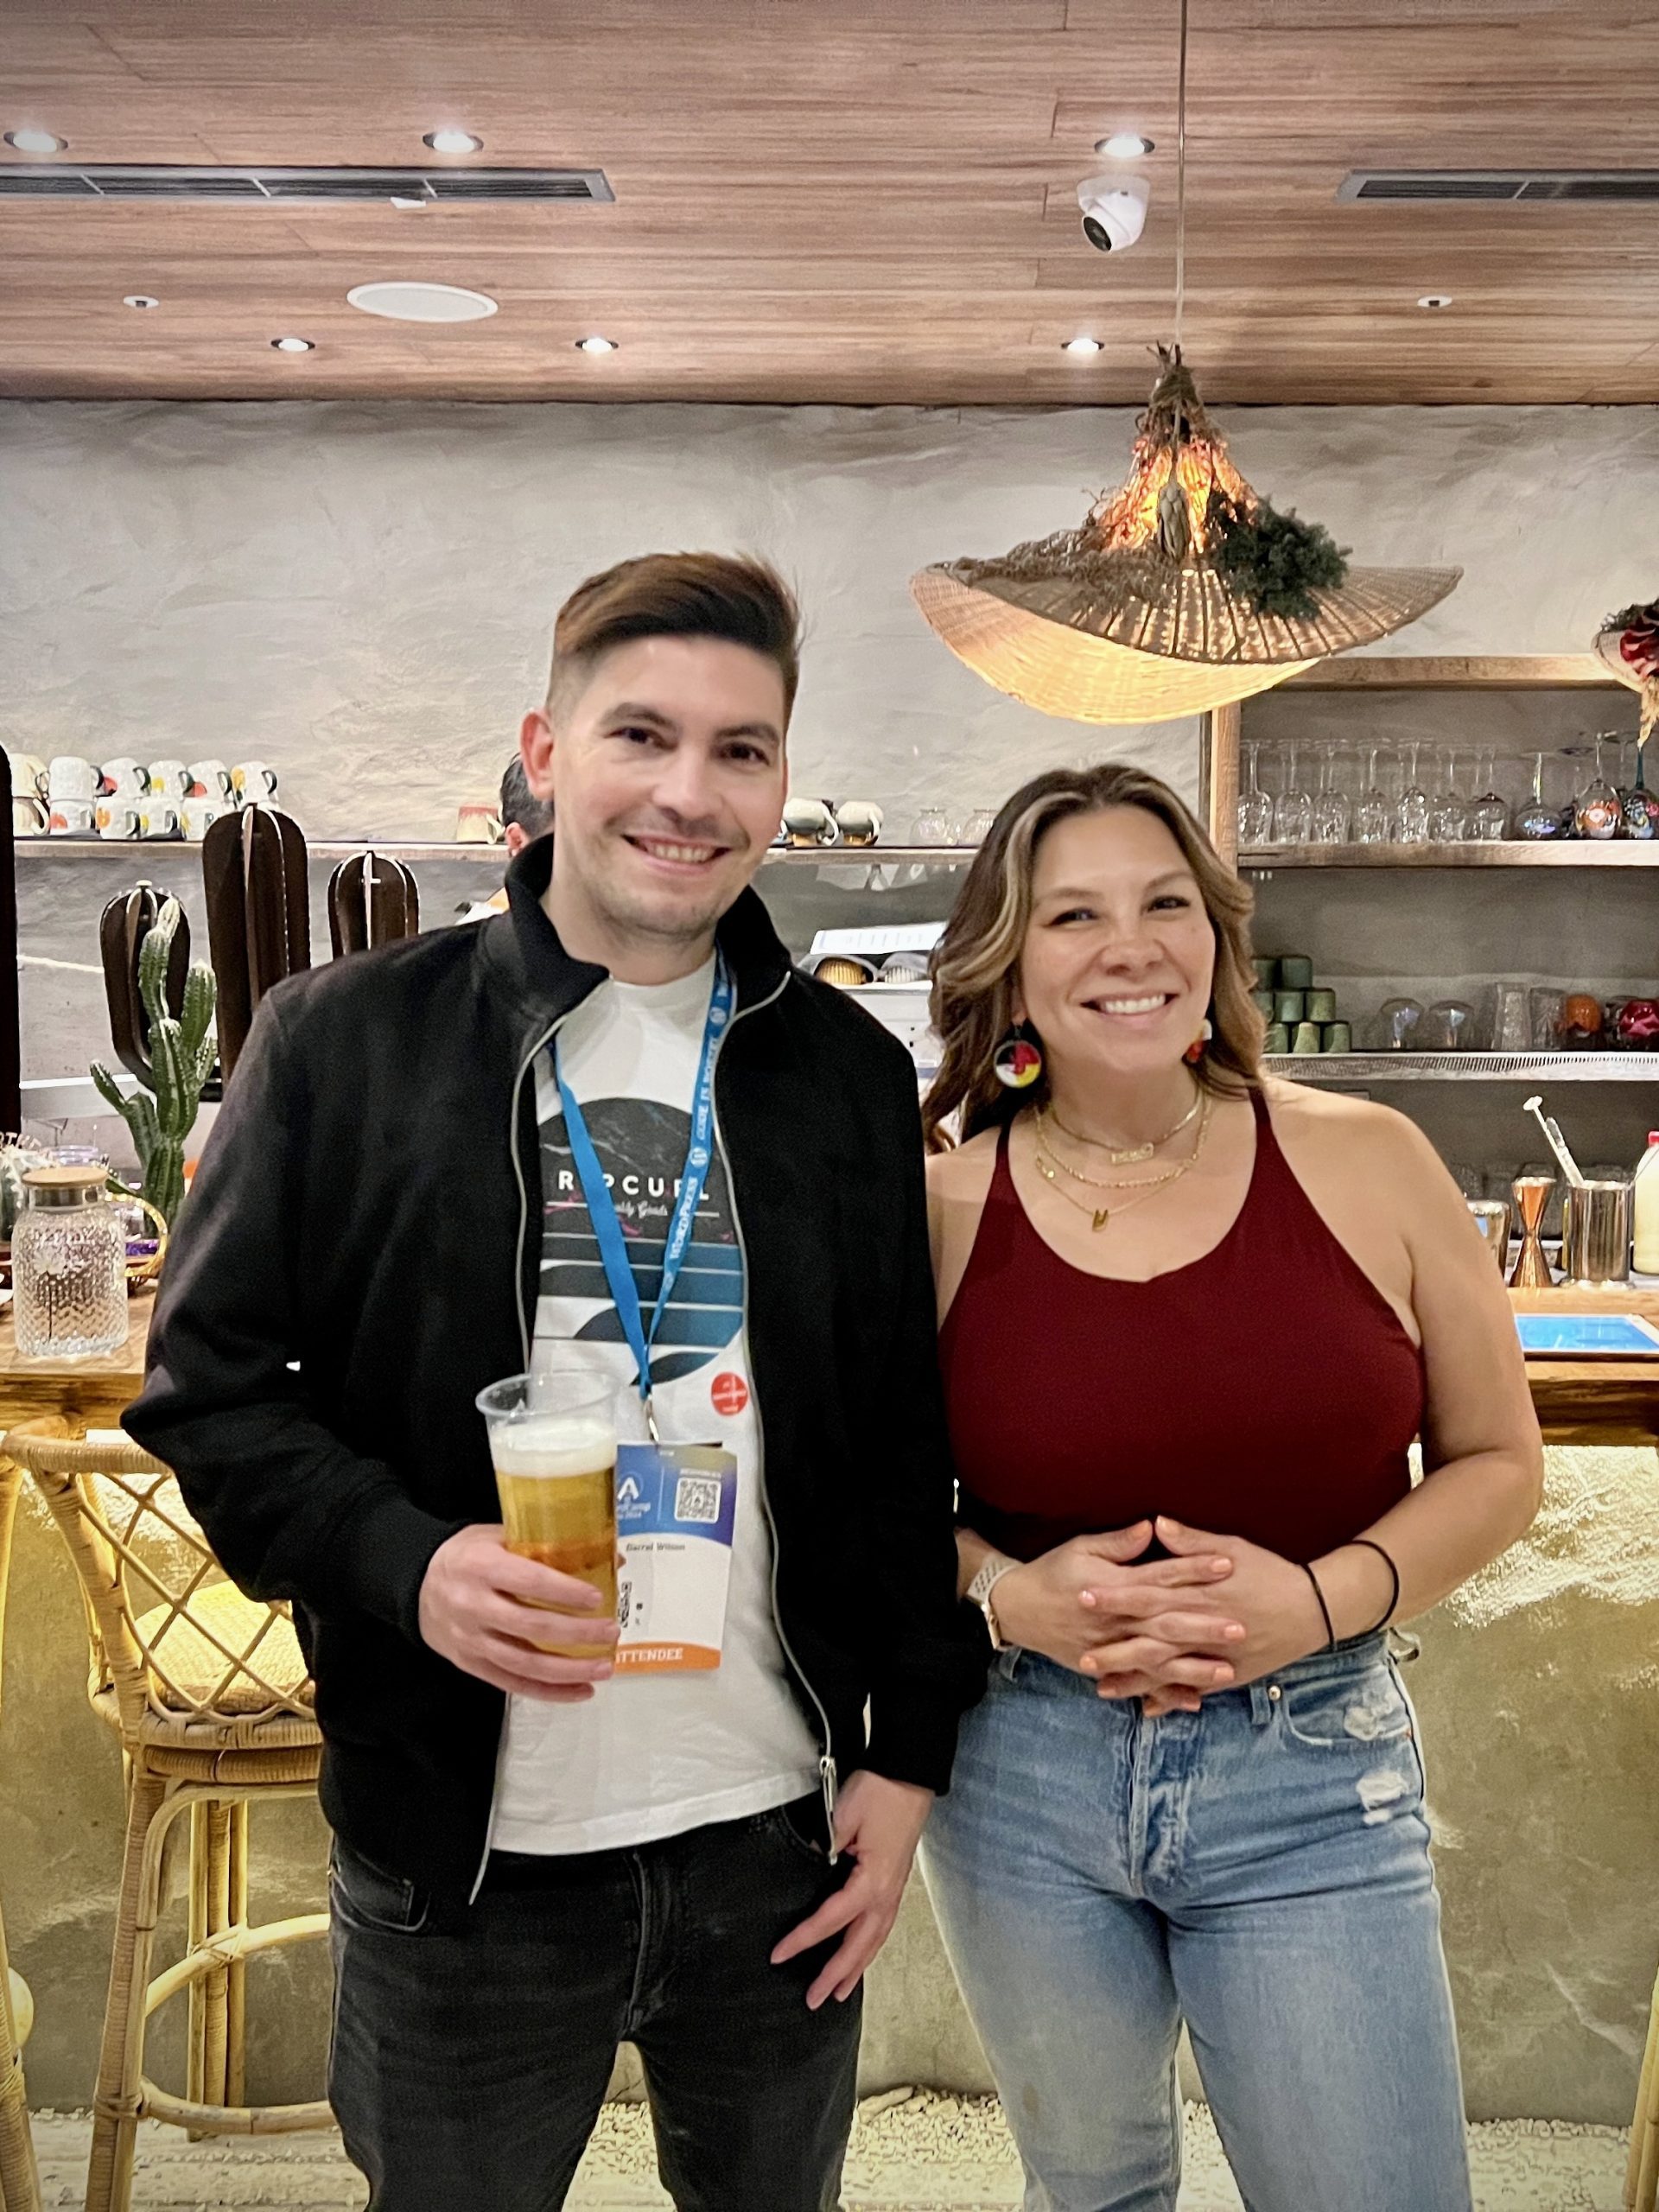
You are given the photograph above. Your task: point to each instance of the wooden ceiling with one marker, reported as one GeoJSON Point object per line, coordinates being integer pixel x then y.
{"type": "Point", "coordinates": [861, 201]}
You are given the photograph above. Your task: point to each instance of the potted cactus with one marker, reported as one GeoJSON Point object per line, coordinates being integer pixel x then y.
{"type": "Point", "coordinates": [181, 1059]}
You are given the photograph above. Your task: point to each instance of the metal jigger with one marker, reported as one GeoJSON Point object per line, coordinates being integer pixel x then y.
{"type": "Point", "coordinates": [1531, 1194]}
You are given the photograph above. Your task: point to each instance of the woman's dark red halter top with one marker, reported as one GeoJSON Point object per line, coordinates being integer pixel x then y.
{"type": "Point", "coordinates": [1267, 1390]}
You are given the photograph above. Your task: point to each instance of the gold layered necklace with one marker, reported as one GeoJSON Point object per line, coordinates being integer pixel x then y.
{"type": "Point", "coordinates": [1051, 1166]}
{"type": "Point", "coordinates": [1134, 1154]}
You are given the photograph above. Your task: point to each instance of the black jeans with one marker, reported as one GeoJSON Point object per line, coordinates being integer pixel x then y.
{"type": "Point", "coordinates": [473, 2044]}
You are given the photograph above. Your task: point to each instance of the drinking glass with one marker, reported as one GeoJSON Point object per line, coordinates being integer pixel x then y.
{"type": "Point", "coordinates": [932, 825]}
{"type": "Point", "coordinates": [977, 826]}
{"type": "Point", "coordinates": [1411, 815]}
{"type": "Point", "coordinates": [1596, 810]}
{"type": "Point", "coordinates": [553, 1442]}
{"type": "Point", "coordinates": [1293, 810]}
{"type": "Point", "coordinates": [1511, 1022]}
{"type": "Point", "coordinates": [1373, 814]}
{"type": "Point", "coordinates": [1448, 815]}
{"type": "Point", "coordinates": [1536, 819]}
{"type": "Point", "coordinates": [1255, 805]}
{"type": "Point", "coordinates": [1397, 1023]}
{"type": "Point", "coordinates": [1332, 806]}
{"type": "Point", "coordinates": [1448, 1026]}
{"type": "Point", "coordinates": [1488, 818]}
{"type": "Point", "coordinates": [1639, 806]}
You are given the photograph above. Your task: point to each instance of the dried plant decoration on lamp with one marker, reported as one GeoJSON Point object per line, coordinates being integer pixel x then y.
{"type": "Point", "coordinates": [1181, 591]}
{"type": "Point", "coordinates": [1627, 646]}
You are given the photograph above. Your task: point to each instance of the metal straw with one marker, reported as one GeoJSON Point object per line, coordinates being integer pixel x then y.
{"type": "Point", "coordinates": [1557, 1142]}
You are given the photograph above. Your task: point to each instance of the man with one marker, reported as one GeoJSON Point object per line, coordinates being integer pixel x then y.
{"type": "Point", "coordinates": [412, 1191]}
{"type": "Point", "coordinates": [524, 818]}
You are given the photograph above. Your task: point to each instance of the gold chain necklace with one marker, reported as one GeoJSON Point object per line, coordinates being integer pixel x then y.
{"type": "Point", "coordinates": [1106, 1182]}
{"type": "Point", "coordinates": [1099, 1216]}
{"type": "Point", "coordinates": [1137, 1152]}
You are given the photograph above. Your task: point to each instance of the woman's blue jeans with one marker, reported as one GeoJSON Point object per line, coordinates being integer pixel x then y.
{"type": "Point", "coordinates": [1259, 1870]}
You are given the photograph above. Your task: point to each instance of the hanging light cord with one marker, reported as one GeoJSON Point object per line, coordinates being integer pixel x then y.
{"type": "Point", "coordinates": [1180, 182]}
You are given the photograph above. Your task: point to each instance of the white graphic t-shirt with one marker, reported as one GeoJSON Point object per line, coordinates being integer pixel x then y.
{"type": "Point", "coordinates": [654, 1754]}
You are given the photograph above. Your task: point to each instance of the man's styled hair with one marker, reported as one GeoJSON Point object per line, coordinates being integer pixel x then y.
{"type": "Point", "coordinates": [520, 803]}
{"type": "Point", "coordinates": [729, 596]}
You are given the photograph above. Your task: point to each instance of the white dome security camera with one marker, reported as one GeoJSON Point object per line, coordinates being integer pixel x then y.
{"type": "Point", "coordinates": [1113, 211]}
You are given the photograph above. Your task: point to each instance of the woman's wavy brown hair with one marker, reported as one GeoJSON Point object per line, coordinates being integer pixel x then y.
{"type": "Point", "coordinates": [976, 961]}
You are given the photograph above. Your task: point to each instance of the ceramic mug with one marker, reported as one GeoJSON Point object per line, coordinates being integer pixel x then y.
{"type": "Point", "coordinates": [71, 778]}
{"type": "Point", "coordinates": [209, 779]}
{"type": "Point", "coordinates": [70, 818]}
{"type": "Point", "coordinates": [158, 817]}
{"type": "Point", "coordinates": [809, 822]}
{"type": "Point", "coordinates": [169, 778]}
{"type": "Point", "coordinates": [478, 824]}
{"type": "Point", "coordinates": [28, 815]}
{"type": "Point", "coordinates": [197, 815]}
{"type": "Point", "coordinates": [253, 782]}
{"type": "Point", "coordinates": [859, 821]}
{"type": "Point", "coordinates": [123, 778]}
{"type": "Point", "coordinates": [116, 817]}
{"type": "Point", "coordinates": [27, 775]}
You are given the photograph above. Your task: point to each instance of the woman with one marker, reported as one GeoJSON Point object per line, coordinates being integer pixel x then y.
{"type": "Point", "coordinates": [1206, 1314]}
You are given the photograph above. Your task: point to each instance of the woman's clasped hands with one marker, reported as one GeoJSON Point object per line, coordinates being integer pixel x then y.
{"type": "Point", "coordinates": [1215, 1613]}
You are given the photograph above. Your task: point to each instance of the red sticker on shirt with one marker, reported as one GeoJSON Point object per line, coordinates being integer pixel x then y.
{"type": "Point", "coordinates": [730, 1393]}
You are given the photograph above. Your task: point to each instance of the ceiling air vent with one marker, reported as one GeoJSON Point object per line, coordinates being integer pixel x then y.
{"type": "Point", "coordinates": [1442, 185]}
{"type": "Point", "coordinates": [171, 181]}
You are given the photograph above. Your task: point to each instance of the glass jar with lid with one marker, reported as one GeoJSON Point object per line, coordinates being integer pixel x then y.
{"type": "Point", "coordinates": [69, 1265]}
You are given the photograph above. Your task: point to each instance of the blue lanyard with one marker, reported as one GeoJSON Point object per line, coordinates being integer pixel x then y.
{"type": "Point", "coordinates": [602, 1207]}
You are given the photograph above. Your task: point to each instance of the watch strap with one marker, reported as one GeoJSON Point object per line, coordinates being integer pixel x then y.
{"type": "Point", "coordinates": [991, 1570]}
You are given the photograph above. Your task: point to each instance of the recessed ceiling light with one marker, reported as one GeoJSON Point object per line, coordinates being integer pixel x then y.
{"type": "Point", "coordinates": [418, 302]}
{"type": "Point", "coordinates": [140, 300]}
{"type": "Point", "coordinates": [1082, 346]}
{"type": "Point", "coordinates": [1435, 300]}
{"type": "Point", "coordinates": [596, 345]}
{"type": "Point", "coordinates": [35, 142]}
{"type": "Point", "coordinates": [453, 142]}
{"type": "Point", "coordinates": [294, 344]}
{"type": "Point", "coordinates": [1125, 146]}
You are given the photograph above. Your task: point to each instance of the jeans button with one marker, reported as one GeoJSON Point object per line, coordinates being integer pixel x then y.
{"type": "Point", "coordinates": [1274, 1693]}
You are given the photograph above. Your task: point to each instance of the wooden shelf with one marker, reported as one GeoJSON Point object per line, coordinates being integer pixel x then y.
{"type": "Point", "coordinates": [1456, 672]}
{"type": "Point", "coordinates": [132, 849]}
{"type": "Point", "coordinates": [1608, 1066]}
{"type": "Point", "coordinates": [1563, 852]}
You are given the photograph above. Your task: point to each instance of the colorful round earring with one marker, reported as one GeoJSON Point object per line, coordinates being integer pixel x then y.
{"type": "Point", "coordinates": [1194, 1052]}
{"type": "Point", "coordinates": [1018, 1059]}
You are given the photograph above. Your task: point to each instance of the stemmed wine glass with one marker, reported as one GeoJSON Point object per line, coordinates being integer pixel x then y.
{"type": "Point", "coordinates": [1255, 805]}
{"type": "Point", "coordinates": [1536, 820]}
{"type": "Point", "coordinates": [1293, 810]}
{"type": "Point", "coordinates": [1411, 816]}
{"type": "Point", "coordinates": [1373, 814]}
{"type": "Point", "coordinates": [1488, 818]}
{"type": "Point", "coordinates": [1596, 810]}
{"type": "Point", "coordinates": [1641, 808]}
{"type": "Point", "coordinates": [1331, 805]}
{"type": "Point", "coordinates": [1448, 820]}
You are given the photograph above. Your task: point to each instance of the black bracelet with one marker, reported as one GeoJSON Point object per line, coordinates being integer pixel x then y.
{"type": "Point", "coordinates": [1325, 1609]}
{"type": "Point", "coordinates": [1393, 1599]}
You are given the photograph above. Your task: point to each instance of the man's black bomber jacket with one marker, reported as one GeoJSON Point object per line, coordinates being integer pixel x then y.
{"type": "Point", "coordinates": [360, 1256]}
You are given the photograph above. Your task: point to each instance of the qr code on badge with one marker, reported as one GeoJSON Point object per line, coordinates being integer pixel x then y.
{"type": "Point", "coordinates": [696, 1497]}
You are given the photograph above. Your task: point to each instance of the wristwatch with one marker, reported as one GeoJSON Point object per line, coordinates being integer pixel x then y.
{"type": "Point", "coordinates": [994, 1565]}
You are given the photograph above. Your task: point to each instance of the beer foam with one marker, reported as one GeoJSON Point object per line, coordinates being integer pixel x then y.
{"type": "Point", "coordinates": [553, 1444]}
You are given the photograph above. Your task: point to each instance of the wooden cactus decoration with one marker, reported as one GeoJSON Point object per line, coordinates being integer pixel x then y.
{"type": "Point", "coordinates": [254, 872]}
{"type": "Point", "coordinates": [181, 1056]}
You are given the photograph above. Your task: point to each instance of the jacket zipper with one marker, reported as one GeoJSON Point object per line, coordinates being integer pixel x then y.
{"type": "Point", "coordinates": [829, 1781]}
{"type": "Point", "coordinates": [536, 1052]}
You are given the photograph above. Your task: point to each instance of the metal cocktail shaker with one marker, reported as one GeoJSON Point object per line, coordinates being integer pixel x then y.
{"type": "Point", "coordinates": [1596, 1233]}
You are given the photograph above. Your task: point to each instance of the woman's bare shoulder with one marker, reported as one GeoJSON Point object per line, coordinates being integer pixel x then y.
{"type": "Point", "coordinates": [964, 1173]}
{"type": "Point", "coordinates": [1326, 1118]}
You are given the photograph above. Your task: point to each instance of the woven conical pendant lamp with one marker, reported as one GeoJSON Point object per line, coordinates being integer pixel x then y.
{"type": "Point", "coordinates": [1130, 618]}
{"type": "Point", "coordinates": [1148, 611]}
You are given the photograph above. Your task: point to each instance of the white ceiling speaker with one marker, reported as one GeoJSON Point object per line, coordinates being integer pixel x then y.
{"type": "Point", "coordinates": [421, 302]}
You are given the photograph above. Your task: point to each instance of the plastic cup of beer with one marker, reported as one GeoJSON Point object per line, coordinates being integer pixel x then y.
{"type": "Point", "coordinates": [553, 1440]}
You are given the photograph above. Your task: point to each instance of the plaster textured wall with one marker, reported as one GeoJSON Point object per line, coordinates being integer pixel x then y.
{"type": "Point", "coordinates": [362, 595]}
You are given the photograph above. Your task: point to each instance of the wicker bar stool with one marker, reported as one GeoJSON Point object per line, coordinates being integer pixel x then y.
{"type": "Point", "coordinates": [1642, 2173]}
{"type": "Point", "coordinates": [207, 1693]}
{"type": "Point", "coordinates": [20, 2184]}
